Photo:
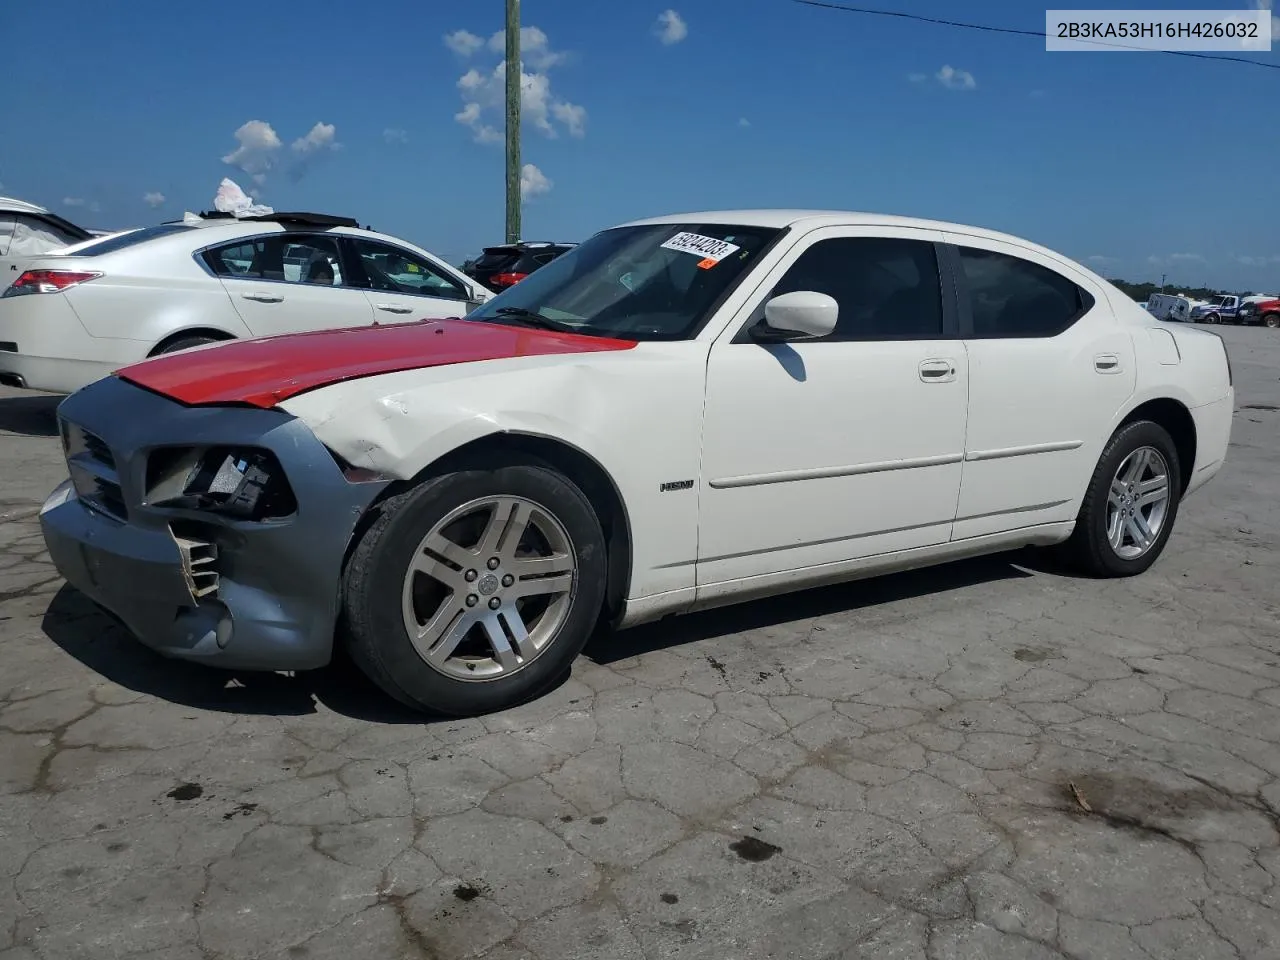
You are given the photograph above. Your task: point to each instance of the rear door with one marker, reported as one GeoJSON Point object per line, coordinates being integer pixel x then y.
{"type": "Point", "coordinates": [401, 285]}
{"type": "Point", "coordinates": [289, 282]}
{"type": "Point", "coordinates": [1049, 369]}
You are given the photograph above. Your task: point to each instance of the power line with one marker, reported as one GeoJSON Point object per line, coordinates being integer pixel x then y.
{"type": "Point", "coordinates": [1018, 32]}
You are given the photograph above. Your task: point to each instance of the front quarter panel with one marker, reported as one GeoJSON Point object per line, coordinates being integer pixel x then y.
{"type": "Point", "coordinates": [637, 413]}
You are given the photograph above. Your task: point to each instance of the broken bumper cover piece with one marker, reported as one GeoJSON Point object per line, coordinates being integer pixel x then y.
{"type": "Point", "coordinates": [214, 534]}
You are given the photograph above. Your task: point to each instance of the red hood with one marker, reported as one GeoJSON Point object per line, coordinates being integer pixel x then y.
{"type": "Point", "coordinates": [267, 371]}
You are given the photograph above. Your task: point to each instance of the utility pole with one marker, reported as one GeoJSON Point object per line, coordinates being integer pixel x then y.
{"type": "Point", "coordinates": [513, 121]}
{"type": "Point", "coordinates": [1162, 276]}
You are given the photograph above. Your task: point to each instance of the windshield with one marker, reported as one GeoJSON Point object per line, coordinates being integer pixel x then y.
{"type": "Point", "coordinates": [653, 282]}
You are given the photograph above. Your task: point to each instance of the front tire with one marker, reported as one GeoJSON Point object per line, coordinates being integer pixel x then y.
{"type": "Point", "coordinates": [475, 590]}
{"type": "Point", "coordinates": [1131, 504]}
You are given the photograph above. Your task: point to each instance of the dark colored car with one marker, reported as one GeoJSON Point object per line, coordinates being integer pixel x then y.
{"type": "Point", "coordinates": [502, 266]}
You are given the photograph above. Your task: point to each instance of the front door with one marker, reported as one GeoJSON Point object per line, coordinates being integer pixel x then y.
{"type": "Point", "coordinates": [285, 283]}
{"type": "Point", "coordinates": [843, 447]}
{"type": "Point", "coordinates": [402, 286]}
{"type": "Point", "coordinates": [1049, 370]}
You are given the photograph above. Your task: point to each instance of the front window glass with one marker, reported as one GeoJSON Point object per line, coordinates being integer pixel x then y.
{"type": "Point", "coordinates": [639, 283]}
{"type": "Point", "coordinates": [394, 270]}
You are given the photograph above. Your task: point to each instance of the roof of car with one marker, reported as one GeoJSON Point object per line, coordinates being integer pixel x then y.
{"type": "Point", "coordinates": [528, 245]}
{"type": "Point", "coordinates": [781, 218]}
{"type": "Point", "coordinates": [13, 205]}
{"type": "Point", "coordinates": [315, 220]}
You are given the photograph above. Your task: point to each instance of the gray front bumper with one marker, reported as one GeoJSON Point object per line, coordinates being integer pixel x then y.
{"type": "Point", "coordinates": [278, 581]}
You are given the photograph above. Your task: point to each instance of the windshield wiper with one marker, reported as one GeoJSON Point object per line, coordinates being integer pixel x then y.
{"type": "Point", "coordinates": [532, 318]}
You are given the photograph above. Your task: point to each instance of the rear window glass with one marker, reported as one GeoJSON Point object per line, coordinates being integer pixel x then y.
{"type": "Point", "coordinates": [112, 244]}
{"type": "Point", "coordinates": [495, 258]}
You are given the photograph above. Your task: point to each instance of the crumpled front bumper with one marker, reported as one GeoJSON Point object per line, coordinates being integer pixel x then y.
{"type": "Point", "coordinates": [243, 594]}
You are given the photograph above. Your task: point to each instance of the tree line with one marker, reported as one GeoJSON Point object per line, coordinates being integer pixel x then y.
{"type": "Point", "coordinates": [1143, 291]}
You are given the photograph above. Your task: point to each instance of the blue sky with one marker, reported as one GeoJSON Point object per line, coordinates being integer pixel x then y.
{"type": "Point", "coordinates": [1160, 164]}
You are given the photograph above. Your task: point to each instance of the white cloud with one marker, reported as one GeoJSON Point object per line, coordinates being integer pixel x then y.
{"type": "Point", "coordinates": [484, 93]}
{"type": "Point", "coordinates": [1250, 261]}
{"type": "Point", "coordinates": [533, 182]}
{"type": "Point", "coordinates": [671, 27]}
{"type": "Point", "coordinates": [318, 139]}
{"type": "Point", "coordinates": [73, 201]}
{"type": "Point", "coordinates": [259, 146]}
{"type": "Point", "coordinates": [573, 116]}
{"type": "Point", "coordinates": [463, 42]}
{"type": "Point", "coordinates": [153, 199]}
{"type": "Point", "coordinates": [917, 77]}
{"type": "Point", "coordinates": [1275, 26]}
{"type": "Point", "coordinates": [954, 79]}
{"type": "Point", "coordinates": [1186, 257]}
{"type": "Point", "coordinates": [744, 122]}
{"type": "Point", "coordinates": [1099, 258]}
{"type": "Point", "coordinates": [469, 116]}
{"type": "Point", "coordinates": [260, 149]}
{"type": "Point", "coordinates": [395, 135]}
{"type": "Point", "coordinates": [535, 48]}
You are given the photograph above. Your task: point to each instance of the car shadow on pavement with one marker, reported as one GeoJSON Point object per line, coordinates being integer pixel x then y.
{"type": "Point", "coordinates": [85, 632]}
{"type": "Point", "coordinates": [31, 416]}
{"type": "Point", "coordinates": [803, 605]}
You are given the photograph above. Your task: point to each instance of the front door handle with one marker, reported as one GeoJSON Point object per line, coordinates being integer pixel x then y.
{"type": "Point", "coordinates": [1106, 363]}
{"type": "Point", "coordinates": [938, 371]}
{"type": "Point", "coordinates": [392, 308]}
{"type": "Point", "coordinates": [263, 297]}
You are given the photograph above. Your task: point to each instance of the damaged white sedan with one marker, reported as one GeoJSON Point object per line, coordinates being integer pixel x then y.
{"type": "Point", "coordinates": [679, 413]}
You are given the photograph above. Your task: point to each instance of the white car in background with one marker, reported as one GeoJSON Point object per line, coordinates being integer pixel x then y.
{"type": "Point", "coordinates": [76, 314]}
{"type": "Point", "coordinates": [28, 230]}
{"type": "Point", "coordinates": [679, 413]}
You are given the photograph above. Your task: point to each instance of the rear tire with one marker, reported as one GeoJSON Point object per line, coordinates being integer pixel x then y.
{"type": "Point", "coordinates": [1271, 320]}
{"type": "Point", "coordinates": [499, 568]}
{"type": "Point", "coordinates": [184, 343]}
{"type": "Point", "coordinates": [1131, 504]}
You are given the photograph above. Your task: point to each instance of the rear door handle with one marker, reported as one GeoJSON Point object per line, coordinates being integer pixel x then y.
{"type": "Point", "coordinates": [263, 297]}
{"type": "Point", "coordinates": [1106, 363]}
{"type": "Point", "coordinates": [938, 371]}
{"type": "Point", "coordinates": [392, 308]}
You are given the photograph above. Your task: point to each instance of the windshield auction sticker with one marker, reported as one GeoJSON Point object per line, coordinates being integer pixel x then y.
{"type": "Point", "coordinates": [706, 248]}
{"type": "Point", "coordinates": [1111, 30]}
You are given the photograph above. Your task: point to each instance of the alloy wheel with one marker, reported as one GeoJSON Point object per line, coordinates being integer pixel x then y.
{"type": "Point", "coordinates": [1138, 503]}
{"type": "Point", "coordinates": [489, 587]}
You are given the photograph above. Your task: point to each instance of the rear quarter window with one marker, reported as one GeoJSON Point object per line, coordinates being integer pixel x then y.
{"type": "Point", "coordinates": [112, 244]}
{"type": "Point", "coordinates": [1015, 298]}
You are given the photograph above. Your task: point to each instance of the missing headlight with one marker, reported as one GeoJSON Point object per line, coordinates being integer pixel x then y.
{"type": "Point", "coordinates": [245, 483]}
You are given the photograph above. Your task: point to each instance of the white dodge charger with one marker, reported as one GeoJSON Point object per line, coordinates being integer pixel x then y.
{"type": "Point", "coordinates": [679, 413]}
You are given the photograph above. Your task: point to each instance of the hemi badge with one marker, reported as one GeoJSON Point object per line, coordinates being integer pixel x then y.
{"type": "Point", "coordinates": [676, 485]}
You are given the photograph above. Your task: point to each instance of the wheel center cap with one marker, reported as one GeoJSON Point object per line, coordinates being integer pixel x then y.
{"type": "Point", "coordinates": [488, 584]}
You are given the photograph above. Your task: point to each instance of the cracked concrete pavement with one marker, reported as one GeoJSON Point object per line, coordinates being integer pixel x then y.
{"type": "Point", "coordinates": [890, 769]}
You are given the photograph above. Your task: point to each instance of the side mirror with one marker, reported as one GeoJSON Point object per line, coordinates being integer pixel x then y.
{"type": "Point", "coordinates": [801, 315]}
